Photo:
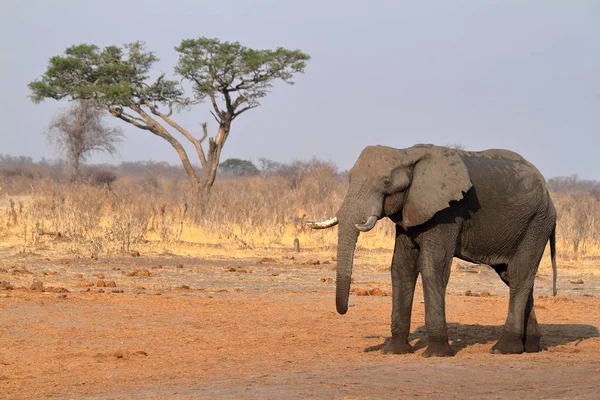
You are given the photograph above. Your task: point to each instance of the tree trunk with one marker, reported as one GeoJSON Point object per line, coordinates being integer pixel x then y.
{"type": "Point", "coordinates": [73, 161]}
{"type": "Point", "coordinates": [214, 155]}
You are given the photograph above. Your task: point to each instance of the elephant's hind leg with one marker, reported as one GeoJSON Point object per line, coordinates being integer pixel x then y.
{"type": "Point", "coordinates": [532, 334]}
{"type": "Point", "coordinates": [521, 331]}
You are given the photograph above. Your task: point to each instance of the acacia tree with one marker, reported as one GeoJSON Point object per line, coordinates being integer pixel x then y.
{"type": "Point", "coordinates": [80, 131]}
{"type": "Point", "coordinates": [117, 79]}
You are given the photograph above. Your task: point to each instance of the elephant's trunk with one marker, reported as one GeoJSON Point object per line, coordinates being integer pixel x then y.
{"type": "Point", "coordinates": [347, 237]}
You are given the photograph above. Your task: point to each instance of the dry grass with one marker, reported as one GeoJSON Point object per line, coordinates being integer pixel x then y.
{"type": "Point", "coordinates": [249, 213]}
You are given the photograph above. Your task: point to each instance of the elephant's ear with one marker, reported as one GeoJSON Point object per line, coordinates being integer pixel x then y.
{"type": "Point", "coordinates": [439, 177]}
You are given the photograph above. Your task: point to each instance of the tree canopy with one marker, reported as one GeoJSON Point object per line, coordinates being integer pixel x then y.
{"type": "Point", "coordinates": [239, 167]}
{"type": "Point", "coordinates": [232, 69]}
{"type": "Point", "coordinates": [233, 77]}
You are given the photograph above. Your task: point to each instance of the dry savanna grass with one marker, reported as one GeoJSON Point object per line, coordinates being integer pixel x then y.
{"type": "Point", "coordinates": [153, 213]}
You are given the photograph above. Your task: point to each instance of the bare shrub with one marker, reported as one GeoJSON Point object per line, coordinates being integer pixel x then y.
{"type": "Point", "coordinates": [128, 217]}
{"type": "Point", "coordinates": [578, 221]}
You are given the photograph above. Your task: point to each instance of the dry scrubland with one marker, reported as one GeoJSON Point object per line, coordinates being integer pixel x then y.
{"type": "Point", "coordinates": [107, 215]}
{"type": "Point", "coordinates": [121, 287]}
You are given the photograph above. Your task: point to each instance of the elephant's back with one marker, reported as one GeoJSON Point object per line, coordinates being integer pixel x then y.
{"type": "Point", "coordinates": [510, 193]}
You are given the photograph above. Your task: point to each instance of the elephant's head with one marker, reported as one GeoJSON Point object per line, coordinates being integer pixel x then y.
{"type": "Point", "coordinates": [410, 186]}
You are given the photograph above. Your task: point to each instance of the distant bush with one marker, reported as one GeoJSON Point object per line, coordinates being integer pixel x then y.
{"type": "Point", "coordinates": [237, 167]}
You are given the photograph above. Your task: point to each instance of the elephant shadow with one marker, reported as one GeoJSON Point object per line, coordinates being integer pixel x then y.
{"type": "Point", "coordinates": [462, 336]}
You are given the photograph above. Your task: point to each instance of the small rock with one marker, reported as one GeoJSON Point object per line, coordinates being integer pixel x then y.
{"type": "Point", "coordinates": [362, 292]}
{"type": "Point", "coordinates": [111, 284]}
{"type": "Point", "coordinates": [179, 265]}
{"type": "Point", "coordinates": [64, 261]}
{"type": "Point", "coordinates": [274, 274]}
{"type": "Point", "coordinates": [118, 291]}
{"type": "Point", "coordinates": [140, 272]}
{"type": "Point", "coordinates": [141, 353]}
{"type": "Point", "coordinates": [577, 282]}
{"type": "Point", "coordinates": [85, 283]}
{"type": "Point", "coordinates": [312, 262]}
{"type": "Point", "coordinates": [6, 286]}
{"type": "Point", "coordinates": [376, 292]}
{"type": "Point", "coordinates": [327, 280]}
{"type": "Point", "coordinates": [267, 260]}
{"type": "Point", "coordinates": [326, 262]}
{"type": "Point", "coordinates": [139, 287]}
{"type": "Point", "coordinates": [184, 287]}
{"type": "Point", "coordinates": [238, 290]}
{"type": "Point", "coordinates": [101, 291]}
{"type": "Point", "coordinates": [37, 286]}
{"type": "Point", "coordinates": [135, 253]}
{"type": "Point", "coordinates": [485, 294]}
{"type": "Point", "coordinates": [78, 276]}
{"type": "Point", "coordinates": [121, 354]}
{"type": "Point", "coordinates": [156, 267]}
{"type": "Point", "coordinates": [52, 289]}
{"type": "Point", "coordinates": [62, 296]}
{"type": "Point", "coordinates": [100, 283]}
{"type": "Point", "coordinates": [99, 276]}
{"type": "Point", "coordinates": [468, 293]}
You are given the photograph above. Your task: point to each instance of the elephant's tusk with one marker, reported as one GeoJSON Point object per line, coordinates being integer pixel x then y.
{"type": "Point", "coordinates": [367, 226]}
{"type": "Point", "coordinates": [328, 223]}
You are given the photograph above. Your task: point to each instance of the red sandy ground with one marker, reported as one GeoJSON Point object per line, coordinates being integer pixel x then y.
{"type": "Point", "coordinates": [270, 332]}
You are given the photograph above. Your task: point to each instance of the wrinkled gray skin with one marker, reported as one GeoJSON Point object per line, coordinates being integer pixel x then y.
{"type": "Point", "coordinates": [490, 207]}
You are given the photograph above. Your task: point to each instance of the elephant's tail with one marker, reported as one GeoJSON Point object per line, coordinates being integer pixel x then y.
{"type": "Point", "coordinates": [553, 257]}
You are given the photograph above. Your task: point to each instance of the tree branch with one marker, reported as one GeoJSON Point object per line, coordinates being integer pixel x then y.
{"type": "Point", "coordinates": [243, 110]}
{"type": "Point", "coordinates": [215, 105]}
{"type": "Point", "coordinates": [205, 132]}
{"type": "Point", "coordinates": [215, 117]}
{"type": "Point", "coordinates": [160, 131]}
{"type": "Point", "coordinates": [228, 103]}
{"type": "Point", "coordinates": [197, 143]}
{"type": "Point", "coordinates": [118, 112]}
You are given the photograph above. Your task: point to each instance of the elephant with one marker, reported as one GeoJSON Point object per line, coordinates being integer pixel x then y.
{"type": "Point", "coordinates": [487, 207]}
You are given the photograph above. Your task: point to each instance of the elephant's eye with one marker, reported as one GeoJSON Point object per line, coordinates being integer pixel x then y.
{"type": "Point", "coordinates": [387, 183]}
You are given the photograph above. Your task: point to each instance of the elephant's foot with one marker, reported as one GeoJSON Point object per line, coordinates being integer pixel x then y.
{"type": "Point", "coordinates": [397, 346]}
{"type": "Point", "coordinates": [532, 344]}
{"type": "Point", "coordinates": [438, 348]}
{"type": "Point", "coordinates": [509, 343]}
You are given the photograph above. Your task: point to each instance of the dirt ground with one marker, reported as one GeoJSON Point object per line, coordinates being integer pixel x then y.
{"type": "Point", "coordinates": [261, 324]}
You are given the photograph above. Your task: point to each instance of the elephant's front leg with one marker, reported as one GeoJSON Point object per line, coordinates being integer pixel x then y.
{"type": "Point", "coordinates": [404, 277]}
{"type": "Point", "coordinates": [435, 262]}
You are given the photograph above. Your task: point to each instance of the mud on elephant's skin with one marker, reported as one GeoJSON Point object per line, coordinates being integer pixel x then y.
{"type": "Point", "coordinates": [489, 207]}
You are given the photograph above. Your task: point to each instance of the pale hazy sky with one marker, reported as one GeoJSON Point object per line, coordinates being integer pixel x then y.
{"type": "Point", "coordinates": [522, 75]}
